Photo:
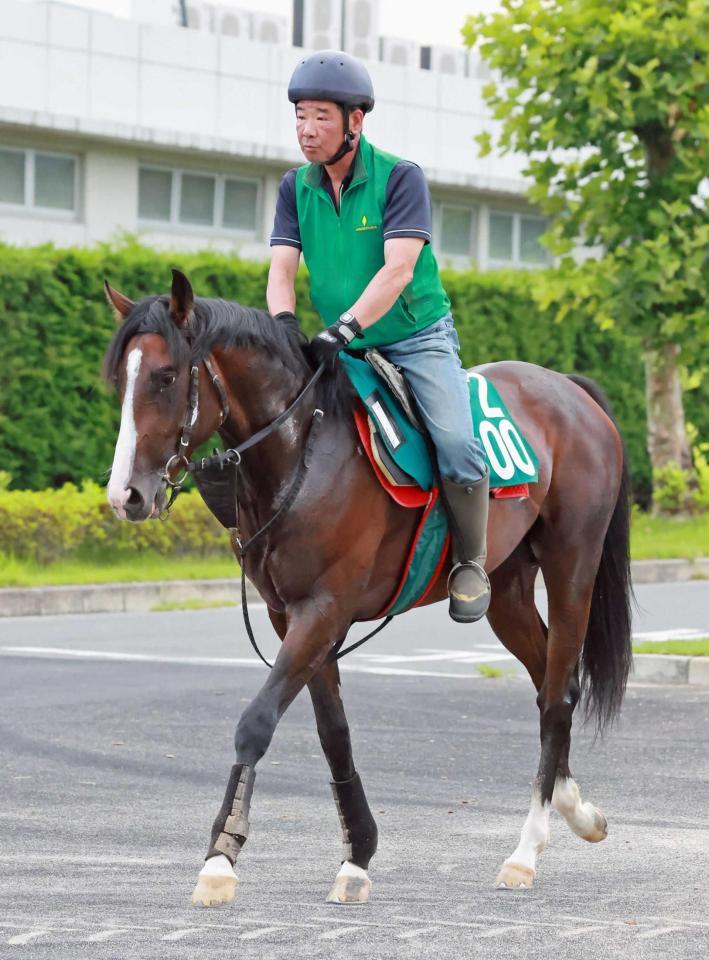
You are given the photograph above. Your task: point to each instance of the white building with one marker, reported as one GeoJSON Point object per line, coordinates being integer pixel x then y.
{"type": "Point", "coordinates": [181, 137]}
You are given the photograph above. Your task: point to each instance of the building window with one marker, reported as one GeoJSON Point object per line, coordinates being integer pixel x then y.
{"type": "Point", "coordinates": [198, 199]}
{"type": "Point", "coordinates": [154, 194]}
{"type": "Point", "coordinates": [241, 205]}
{"type": "Point", "coordinates": [530, 249]}
{"type": "Point", "coordinates": [501, 236]}
{"type": "Point", "coordinates": [456, 230]}
{"type": "Point", "coordinates": [39, 180]}
{"type": "Point", "coordinates": [514, 238]}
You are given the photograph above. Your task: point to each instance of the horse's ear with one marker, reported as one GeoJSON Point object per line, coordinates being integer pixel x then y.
{"type": "Point", "coordinates": [181, 298]}
{"type": "Point", "coordinates": [120, 305]}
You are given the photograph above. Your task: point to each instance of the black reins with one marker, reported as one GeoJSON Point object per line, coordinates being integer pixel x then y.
{"type": "Point", "coordinates": [232, 457]}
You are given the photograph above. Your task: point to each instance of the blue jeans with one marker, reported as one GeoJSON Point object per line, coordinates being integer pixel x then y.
{"type": "Point", "coordinates": [435, 374]}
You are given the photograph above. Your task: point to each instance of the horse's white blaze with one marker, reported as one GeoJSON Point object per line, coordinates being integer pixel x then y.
{"type": "Point", "coordinates": [534, 836]}
{"type": "Point", "coordinates": [583, 818]}
{"type": "Point", "coordinates": [124, 456]}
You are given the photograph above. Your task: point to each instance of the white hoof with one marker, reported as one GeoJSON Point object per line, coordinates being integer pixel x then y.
{"type": "Point", "coordinates": [216, 883]}
{"type": "Point", "coordinates": [352, 885]}
{"type": "Point", "coordinates": [515, 876]}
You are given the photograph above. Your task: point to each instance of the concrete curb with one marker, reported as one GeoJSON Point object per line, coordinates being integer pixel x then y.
{"type": "Point", "coordinates": [117, 597]}
{"type": "Point", "coordinates": [666, 668]}
{"type": "Point", "coordinates": [134, 597]}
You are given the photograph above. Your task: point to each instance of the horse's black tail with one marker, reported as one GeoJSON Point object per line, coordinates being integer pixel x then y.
{"type": "Point", "coordinates": [607, 651]}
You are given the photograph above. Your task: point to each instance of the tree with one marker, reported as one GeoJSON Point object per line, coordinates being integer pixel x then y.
{"type": "Point", "coordinates": [609, 101]}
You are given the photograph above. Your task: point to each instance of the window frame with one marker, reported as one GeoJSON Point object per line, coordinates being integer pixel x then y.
{"type": "Point", "coordinates": [217, 227]}
{"type": "Point", "coordinates": [474, 211]}
{"type": "Point", "coordinates": [28, 206]}
{"type": "Point", "coordinates": [517, 217]}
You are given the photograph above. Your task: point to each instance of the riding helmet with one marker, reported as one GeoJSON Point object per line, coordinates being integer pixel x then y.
{"type": "Point", "coordinates": [332, 75]}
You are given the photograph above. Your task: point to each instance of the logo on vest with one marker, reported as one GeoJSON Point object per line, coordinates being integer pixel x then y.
{"type": "Point", "coordinates": [364, 225]}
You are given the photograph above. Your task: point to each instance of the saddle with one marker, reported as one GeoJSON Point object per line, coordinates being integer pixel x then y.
{"type": "Point", "coordinates": [399, 447]}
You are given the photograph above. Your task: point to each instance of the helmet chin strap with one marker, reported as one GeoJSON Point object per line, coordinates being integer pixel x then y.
{"type": "Point", "coordinates": [347, 143]}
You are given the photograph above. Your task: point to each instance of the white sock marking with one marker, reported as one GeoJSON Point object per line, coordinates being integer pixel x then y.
{"type": "Point", "coordinates": [567, 801]}
{"type": "Point", "coordinates": [535, 833]}
{"type": "Point", "coordinates": [124, 457]}
{"type": "Point", "coordinates": [219, 866]}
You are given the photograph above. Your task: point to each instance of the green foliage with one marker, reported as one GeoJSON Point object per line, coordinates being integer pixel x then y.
{"type": "Point", "coordinates": [678, 491]}
{"type": "Point", "coordinates": [670, 486]}
{"type": "Point", "coordinates": [59, 422]}
{"type": "Point", "coordinates": [44, 526]}
{"type": "Point", "coordinates": [611, 103]}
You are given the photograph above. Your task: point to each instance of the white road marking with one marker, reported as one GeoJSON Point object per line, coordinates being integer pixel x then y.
{"type": "Point", "coordinates": [114, 655]}
{"type": "Point", "coordinates": [180, 934]}
{"type": "Point", "coordinates": [22, 938]}
{"type": "Point", "coordinates": [499, 931]}
{"type": "Point", "coordinates": [421, 931]}
{"type": "Point", "coordinates": [104, 935]}
{"type": "Point", "coordinates": [261, 932]}
{"type": "Point", "coordinates": [581, 931]}
{"type": "Point", "coordinates": [651, 934]}
{"type": "Point", "coordinates": [340, 932]}
{"type": "Point", "coordinates": [681, 633]}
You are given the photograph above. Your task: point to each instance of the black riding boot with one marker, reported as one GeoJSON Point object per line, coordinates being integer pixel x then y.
{"type": "Point", "coordinates": [468, 585]}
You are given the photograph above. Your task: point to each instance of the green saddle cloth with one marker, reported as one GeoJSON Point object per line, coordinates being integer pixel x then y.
{"type": "Point", "coordinates": [509, 456]}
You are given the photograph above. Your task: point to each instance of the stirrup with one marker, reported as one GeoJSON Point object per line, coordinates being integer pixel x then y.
{"type": "Point", "coordinates": [469, 602]}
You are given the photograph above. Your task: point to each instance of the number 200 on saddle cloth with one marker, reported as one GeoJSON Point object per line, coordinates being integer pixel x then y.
{"type": "Point", "coordinates": [400, 459]}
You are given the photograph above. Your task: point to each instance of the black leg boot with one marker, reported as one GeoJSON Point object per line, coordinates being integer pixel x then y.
{"type": "Point", "coordinates": [468, 585]}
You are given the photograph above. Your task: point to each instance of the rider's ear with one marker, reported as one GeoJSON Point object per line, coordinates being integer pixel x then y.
{"type": "Point", "coordinates": [120, 305]}
{"type": "Point", "coordinates": [181, 298]}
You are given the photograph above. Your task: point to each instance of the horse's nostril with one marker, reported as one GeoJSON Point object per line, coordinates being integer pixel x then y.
{"type": "Point", "coordinates": [135, 499]}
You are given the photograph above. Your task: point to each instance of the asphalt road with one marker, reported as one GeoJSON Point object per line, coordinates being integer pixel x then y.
{"type": "Point", "coordinates": [113, 768]}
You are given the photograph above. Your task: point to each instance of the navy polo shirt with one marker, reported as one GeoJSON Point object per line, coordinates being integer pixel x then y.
{"type": "Point", "coordinates": [407, 211]}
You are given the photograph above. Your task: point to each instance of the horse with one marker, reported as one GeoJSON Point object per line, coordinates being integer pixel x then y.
{"type": "Point", "coordinates": [329, 544]}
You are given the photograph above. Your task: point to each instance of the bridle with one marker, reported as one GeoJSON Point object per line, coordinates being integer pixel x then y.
{"type": "Point", "coordinates": [220, 458]}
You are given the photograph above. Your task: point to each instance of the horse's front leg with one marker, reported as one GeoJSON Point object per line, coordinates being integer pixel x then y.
{"type": "Point", "coordinates": [312, 629]}
{"type": "Point", "coordinates": [359, 831]}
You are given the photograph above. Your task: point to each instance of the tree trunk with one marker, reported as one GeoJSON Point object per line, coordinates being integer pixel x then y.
{"type": "Point", "coordinates": [666, 434]}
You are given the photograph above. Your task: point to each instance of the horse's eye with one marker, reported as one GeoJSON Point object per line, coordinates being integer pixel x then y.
{"type": "Point", "coordinates": [167, 380]}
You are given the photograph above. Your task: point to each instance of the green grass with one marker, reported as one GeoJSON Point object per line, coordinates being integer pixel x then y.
{"type": "Point", "coordinates": [682, 648]}
{"type": "Point", "coordinates": [485, 670]}
{"type": "Point", "coordinates": [143, 567]}
{"type": "Point", "coordinates": [651, 537]}
{"type": "Point", "coordinates": [666, 538]}
{"type": "Point", "coordinates": [193, 604]}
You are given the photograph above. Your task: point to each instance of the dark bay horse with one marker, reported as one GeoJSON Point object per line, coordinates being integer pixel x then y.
{"type": "Point", "coordinates": [335, 556]}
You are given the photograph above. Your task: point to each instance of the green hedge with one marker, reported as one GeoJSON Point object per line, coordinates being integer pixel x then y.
{"type": "Point", "coordinates": [44, 526]}
{"type": "Point", "coordinates": [58, 422]}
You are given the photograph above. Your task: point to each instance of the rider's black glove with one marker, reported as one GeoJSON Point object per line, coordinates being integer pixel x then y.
{"type": "Point", "coordinates": [286, 315]}
{"type": "Point", "coordinates": [326, 345]}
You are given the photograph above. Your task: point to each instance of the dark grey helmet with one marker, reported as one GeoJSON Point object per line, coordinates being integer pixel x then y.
{"type": "Point", "coordinates": [332, 75]}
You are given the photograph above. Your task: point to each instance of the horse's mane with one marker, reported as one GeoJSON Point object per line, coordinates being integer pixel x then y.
{"type": "Point", "coordinates": [225, 323]}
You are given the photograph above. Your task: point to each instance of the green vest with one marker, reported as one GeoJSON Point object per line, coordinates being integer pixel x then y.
{"type": "Point", "coordinates": [344, 251]}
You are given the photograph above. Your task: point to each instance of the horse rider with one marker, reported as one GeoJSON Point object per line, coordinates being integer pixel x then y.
{"type": "Point", "coordinates": [362, 219]}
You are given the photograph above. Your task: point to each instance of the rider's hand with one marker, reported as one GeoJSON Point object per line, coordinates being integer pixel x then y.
{"type": "Point", "coordinates": [326, 345]}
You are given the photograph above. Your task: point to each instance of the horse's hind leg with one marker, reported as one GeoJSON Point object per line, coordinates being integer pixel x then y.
{"type": "Point", "coordinates": [359, 831]}
{"type": "Point", "coordinates": [517, 624]}
{"type": "Point", "coordinates": [569, 575]}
